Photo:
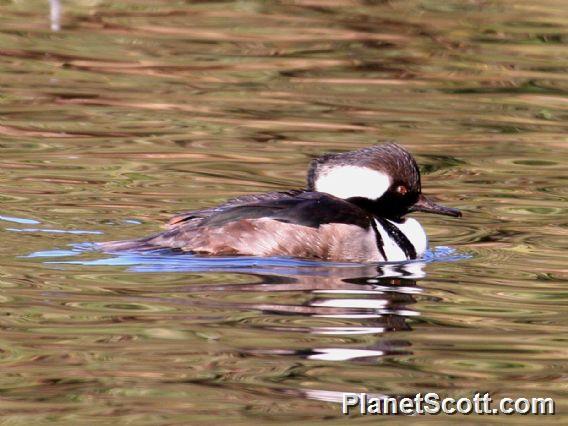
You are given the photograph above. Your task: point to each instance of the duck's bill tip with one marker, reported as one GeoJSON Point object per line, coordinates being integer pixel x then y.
{"type": "Point", "coordinates": [427, 206]}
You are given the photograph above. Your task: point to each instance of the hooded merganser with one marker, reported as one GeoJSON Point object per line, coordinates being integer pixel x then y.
{"type": "Point", "coordinates": [352, 210]}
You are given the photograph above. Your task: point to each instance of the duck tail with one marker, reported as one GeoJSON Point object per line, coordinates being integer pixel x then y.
{"type": "Point", "coordinates": [143, 244]}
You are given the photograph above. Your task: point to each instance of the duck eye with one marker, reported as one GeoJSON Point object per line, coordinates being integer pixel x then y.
{"type": "Point", "coordinates": [402, 190]}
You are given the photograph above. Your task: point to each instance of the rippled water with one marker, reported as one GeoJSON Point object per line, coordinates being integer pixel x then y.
{"type": "Point", "coordinates": [137, 110]}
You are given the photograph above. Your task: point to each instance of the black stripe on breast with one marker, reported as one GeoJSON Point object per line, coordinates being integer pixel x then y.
{"type": "Point", "coordinates": [398, 237]}
{"type": "Point", "coordinates": [379, 239]}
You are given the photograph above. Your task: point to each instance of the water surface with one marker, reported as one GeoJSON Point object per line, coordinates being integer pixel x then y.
{"type": "Point", "coordinates": [134, 111]}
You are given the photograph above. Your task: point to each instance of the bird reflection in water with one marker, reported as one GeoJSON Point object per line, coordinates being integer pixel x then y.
{"type": "Point", "coordinates": [378, 298]}
{"type": "Point", "coordinates": [355, 309]}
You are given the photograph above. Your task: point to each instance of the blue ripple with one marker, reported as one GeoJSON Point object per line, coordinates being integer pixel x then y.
{"type": "Point", "coordinates": [168, 261]}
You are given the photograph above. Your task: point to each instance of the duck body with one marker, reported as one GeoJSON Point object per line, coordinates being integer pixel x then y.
{"type": "Point", "coordinates": [293, 223]}
{"type": "Point", "coordinates": [351, 211]}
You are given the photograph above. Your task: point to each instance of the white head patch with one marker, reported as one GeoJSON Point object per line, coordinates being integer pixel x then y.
{"type": "Point", "coordinates": [352, 181]}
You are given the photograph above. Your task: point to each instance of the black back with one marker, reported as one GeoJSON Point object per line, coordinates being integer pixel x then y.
{"type": "Point", "coordinates": [310, 209]}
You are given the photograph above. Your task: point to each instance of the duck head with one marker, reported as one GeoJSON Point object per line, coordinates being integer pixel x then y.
{"type": "Point", "coordinates": [382, 179]}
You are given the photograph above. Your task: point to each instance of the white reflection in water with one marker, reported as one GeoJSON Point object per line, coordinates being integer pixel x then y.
{"type": "Point", "coordinates": [375, 290]}
{"type": "Point", "coordinates": [55, 15]}
{"type": "Point", "coordinates": [334, 396]}
{"type": "Point", "coordinates": [352, 303]}
{"type": "Point", "coordinates": [19, 220]}
{"type": "Point", "coordinates": [347, 330]}
{"type": "Point", "coordinates": [348, 316]}
{"type": "Point", "coordinates": [54, 231]}
{"type": "Point", "coordinates": [338, 354]}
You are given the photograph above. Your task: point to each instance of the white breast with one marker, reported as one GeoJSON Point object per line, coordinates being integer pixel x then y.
{"type": "Point", "coordinates": [415, 234]}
